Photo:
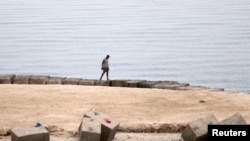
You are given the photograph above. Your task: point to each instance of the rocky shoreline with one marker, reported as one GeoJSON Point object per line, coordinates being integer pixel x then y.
{"type": "Point", "coordinates": [52, 80]}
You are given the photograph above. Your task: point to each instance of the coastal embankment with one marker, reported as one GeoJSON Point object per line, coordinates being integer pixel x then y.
{"type": "Point", "coordinates": [49, 80]}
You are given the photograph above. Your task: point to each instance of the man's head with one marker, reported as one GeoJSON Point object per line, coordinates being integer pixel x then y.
{"type": "Point", "coordinates": [107, 57]}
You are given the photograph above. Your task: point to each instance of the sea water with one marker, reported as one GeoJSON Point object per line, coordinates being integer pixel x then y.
{"type": "Point", "coordinates": [200, 42]}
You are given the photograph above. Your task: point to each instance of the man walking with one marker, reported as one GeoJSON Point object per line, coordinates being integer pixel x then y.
{"type": "Point", "coordinates": [105, 67]}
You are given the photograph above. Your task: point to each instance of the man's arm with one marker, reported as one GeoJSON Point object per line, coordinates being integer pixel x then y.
{"type": "Point", "coordinates": [103, 62]}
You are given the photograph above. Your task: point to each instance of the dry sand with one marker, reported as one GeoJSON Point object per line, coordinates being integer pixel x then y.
{"type": "Point", "coordinates": [61, 107]}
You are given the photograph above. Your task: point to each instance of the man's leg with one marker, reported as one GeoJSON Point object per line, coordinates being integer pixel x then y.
{"type": "Point", "coordinates": [107, 73]}
{"type": "Point", "coordinates": [102, 75]}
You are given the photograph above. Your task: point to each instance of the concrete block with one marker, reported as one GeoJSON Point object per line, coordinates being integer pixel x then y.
{"type": "Point", "coordinates": [90, 82]}
{"type": "Point", "coordinates": [134, 83]}
{"type": "Point", "coordinates": [7, 79]}
{"type": "Point", "coordinates": [197, 129]}
{"type": "Point", "coordinates": [30, 134]}
{"type": "Point", "coordinates": [148, 84]}
{"type": "Point", "coordinates": [102, 83]}
{"type": "Point", "coordinates": [235, 119]}
{"type": "Point", "coordinates": [90, 130]}
{"type": "Point", "coordinates": [118, 83]}
{"type": "Point", "coordinates": [173, 85]}
{"type": "Point", "coordinates": [109, 126]}
{"type": "Point", "coordinates": [71, 81]}
{"type": "Point", "coordinates": [22, 79]}
{"type": "Point", "coordinates": [39, 79]}
{"type": "Point", "coordinates": [56, 80]}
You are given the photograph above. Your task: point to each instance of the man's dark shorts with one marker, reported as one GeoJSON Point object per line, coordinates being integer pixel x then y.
{"type": "Point", "coordinates": [105, 69]}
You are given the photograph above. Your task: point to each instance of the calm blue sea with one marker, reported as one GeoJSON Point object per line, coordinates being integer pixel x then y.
{"type": "Point", "coordinates": [200, 42]}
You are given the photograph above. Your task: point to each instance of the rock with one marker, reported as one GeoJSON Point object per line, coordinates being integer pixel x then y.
{"type": "Point", "coordinates": [197, 129]}
{"type": "Point", "coordinates": [56, 80]}
{"type": "Point", "coordinates": [4, 132]}
{"type": "Point", "coordinates": [7, 79]}
{"type": "Point", "coordinates": [173, 85]}
{"type": "Point", "coordinates": [22, 79]}
{"type": "Point", "coordinates": [235, 119]}
{"type": "Point", "coordinates": [30, 134]}
{"type": "Point", "coordinates": [109, 126]}
{"type": "Point", "coordinates": [90, 82]}
{"type": "Point", "coordinates": [90, 130]}
{"type": "Point", "coordinates": [202, 101]}
{"type": "Point", "coordinates": [118, 83]}
{"type": "Point", "coordinates": [102, 83]}
{"type": "Point", "coordinates": [71, 81]}
{"type": "Point", "coordinates": [39, 79]}
{"type": "Point", "coordinates": [148, 84]}
{"type": "Point", "coordinates": [203, 88]}
{"type": "Point", "coordinates": [134, 83]}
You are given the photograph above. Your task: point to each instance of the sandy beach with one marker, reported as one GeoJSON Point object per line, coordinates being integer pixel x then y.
{"type": "Point", "coordinates": [144, 114]}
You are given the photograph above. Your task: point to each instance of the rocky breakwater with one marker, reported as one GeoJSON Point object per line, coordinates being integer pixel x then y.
{"type": "Point", "coordinates": [53, 80]}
